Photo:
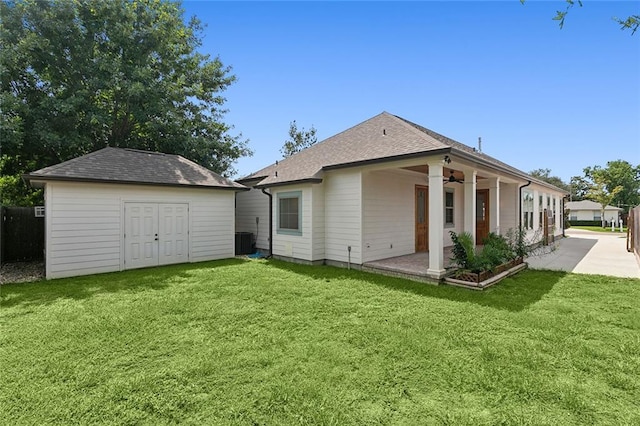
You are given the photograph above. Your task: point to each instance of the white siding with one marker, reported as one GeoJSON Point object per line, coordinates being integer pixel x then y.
{"type": "Point", "coordinates": [388, 200]}
{"type": "Point", "coordinates": [318, 228]}
{"type": "Point", "coordinates": [389, 213]}
{"type": "Point", "coordinates": [547, 192]}
{"type": "Point", "coordinates": [590, 214]}
{"type": "Point", "coordinates": [211, 223]}
{"type": "Point", "coordinates": [343, 215]}
{"type": "Point", "coordinates": [584, 214]}
{"type": "Point", "coordinates": [85, 224]}
{"type": "Point", "coordinates": [508, 207]}
{"type": "Point", "coordinates": [294, 246]}
{"type": "Point", "coordinates": [249, 205]}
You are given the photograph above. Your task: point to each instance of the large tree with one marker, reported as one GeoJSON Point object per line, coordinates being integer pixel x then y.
{"type": "Point", "coordinates": [579, 187]}
{"type": "Point", "coordinates": [298, 139]}
{"type": "Point", "coordinates": [602, 195]}
{"type": "Point", "coordinates": [545, 175]}
{"type": "Point", "coordinates": [77, 76]}
{"type": "Point", "coordinates": [618, 173]}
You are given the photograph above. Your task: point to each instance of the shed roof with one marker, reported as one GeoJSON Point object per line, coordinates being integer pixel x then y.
{"type": "Point", "coordinates": [385, 137]}
{"type": "Point", "coordinates": [132, 166]}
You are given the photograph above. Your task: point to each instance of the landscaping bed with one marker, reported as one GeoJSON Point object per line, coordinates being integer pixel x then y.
{"type": "Point", "coordinates": [500, 257]}
{"type": "Point", "coordinates": [483, 279]}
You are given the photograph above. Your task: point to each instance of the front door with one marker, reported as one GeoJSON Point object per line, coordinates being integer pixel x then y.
{"type": "Point", "coordinates": [482, 215]}
{"type": "Point", "coordinates": [155, 234]}
{"type": "Point", "coordinates": [422, 218]}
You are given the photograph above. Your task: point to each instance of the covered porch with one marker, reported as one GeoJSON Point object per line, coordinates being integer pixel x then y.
{"type": "Point", "coordinates": [421, 203]}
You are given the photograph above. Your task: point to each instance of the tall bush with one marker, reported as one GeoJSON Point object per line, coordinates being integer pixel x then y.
{"type": "Point", "coordinates": [497, 250]}
{"type": "Point", "coordinates": [464, 252]}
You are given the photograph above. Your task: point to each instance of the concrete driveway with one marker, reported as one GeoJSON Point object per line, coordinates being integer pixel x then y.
{"type": "Point", "coordinates": [588, 252]}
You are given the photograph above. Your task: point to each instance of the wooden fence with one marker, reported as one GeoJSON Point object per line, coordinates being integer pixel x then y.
{"type": "Point", "coordinates": [21, 235]}
{"type": "Point", "coordinates": [633, 232]}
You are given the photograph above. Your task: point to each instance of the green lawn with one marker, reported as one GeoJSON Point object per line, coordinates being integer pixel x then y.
{"type": "Point", "coordinates": [267, 342]}
{"type": "Point", "coordinates": [600, 229]}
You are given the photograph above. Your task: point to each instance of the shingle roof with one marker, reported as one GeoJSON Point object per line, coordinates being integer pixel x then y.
{"type": "Point", "coordinates": [382, 138]}
{"type": "Point", "coordinates": [123, 165]}
{"type": "Point", "coordinates": [587, 205]}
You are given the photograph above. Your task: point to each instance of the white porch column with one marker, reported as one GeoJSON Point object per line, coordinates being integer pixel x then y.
{"type": "Point", "coordinates": [470, 201]}
{"type": "Point", "coordinates": [436, 218]}
{"type": "Point", "coordinates": [494, 205]}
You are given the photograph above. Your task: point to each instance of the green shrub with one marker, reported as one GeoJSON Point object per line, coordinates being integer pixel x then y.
{"type": "Point", "coordinates": [583, 223]}
{"type": "Point", "coordinates": [488, 259]}
{"type": "Point", "coordinates": [496, 251]}
{"type": "Point", "coordinates": [464, 250]}
{"type": "Point", "coordinates": [500, 247]}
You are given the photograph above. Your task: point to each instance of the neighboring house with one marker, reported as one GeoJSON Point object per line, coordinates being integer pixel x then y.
{"type": "Point", "coordinates": [388, 187]}
{"type": "Point", "coordinates": [117, 209]}
{"type": "Point", "coordinates": [591, 211]}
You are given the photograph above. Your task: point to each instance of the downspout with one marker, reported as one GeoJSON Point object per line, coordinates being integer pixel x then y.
{"type": "Point", "coordinates": [520, 204]}
{"type": "Point", "coordinates": [563, 215]}
{"type": "Point", "coordinates": [270, 222]}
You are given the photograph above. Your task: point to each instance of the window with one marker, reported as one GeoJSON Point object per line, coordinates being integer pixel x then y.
{"type": "Point", "coordinates": [448, 208]}
{"type": "Point", "coordinates": [39, 211]}
{"type": "Point", "coordinates": [554, 210]}
{"type": "Point", "coordinates": [597, 215]}
{"type": "Point", "coordinates": [527, 209]}
{"type": "Point", "coordinates": [540, 211]}
{"type": "Point", "coordinates": [289, 213]}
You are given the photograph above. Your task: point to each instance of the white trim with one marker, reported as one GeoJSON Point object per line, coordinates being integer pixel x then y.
{"type": "Point", "coordinates": [289, 195]}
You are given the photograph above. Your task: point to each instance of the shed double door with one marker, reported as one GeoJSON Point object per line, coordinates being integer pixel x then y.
{"type": "Point", "coordinates": [155, 234]}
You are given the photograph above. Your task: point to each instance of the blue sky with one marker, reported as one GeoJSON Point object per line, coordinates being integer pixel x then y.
{"type": "Point", "coordinates": [539, 97]}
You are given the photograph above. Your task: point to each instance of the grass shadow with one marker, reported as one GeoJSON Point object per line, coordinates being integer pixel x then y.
{"type": "Point", "coordinates": [77, 288]}
{"type": "Point", "coordinates": [514, 294]}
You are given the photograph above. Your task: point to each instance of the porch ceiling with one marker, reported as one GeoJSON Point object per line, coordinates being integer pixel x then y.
{"type": "Point", "coordinates": [447, 172]}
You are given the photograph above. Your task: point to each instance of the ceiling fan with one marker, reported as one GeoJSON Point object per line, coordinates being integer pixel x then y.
{"type": "Point", "coordinates": [452, 178]}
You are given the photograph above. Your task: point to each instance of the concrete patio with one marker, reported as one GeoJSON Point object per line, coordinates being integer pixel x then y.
{"type": "Point", "coordinates": [588, 252]}
{"type": "Point", "coordinates": [412, 266]}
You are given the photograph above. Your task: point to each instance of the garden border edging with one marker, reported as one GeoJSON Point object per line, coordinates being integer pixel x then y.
{"type": "Point", "coordinates": [488, 282]}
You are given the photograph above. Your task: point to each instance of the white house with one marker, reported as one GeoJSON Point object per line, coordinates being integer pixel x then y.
{"type": "Point", "coordinates": [117, 209]}
{"type": "Point", "coordinates": [384, 188]}
{"type": "Point", "coordinates": [587, 210]}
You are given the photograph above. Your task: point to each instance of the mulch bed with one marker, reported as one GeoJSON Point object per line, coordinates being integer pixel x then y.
{"type": "Point", "coordinates": [21, 272]}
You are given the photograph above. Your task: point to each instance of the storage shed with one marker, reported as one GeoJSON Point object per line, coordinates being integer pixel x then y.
{"type": "Point", "coordinates": [117, 209]}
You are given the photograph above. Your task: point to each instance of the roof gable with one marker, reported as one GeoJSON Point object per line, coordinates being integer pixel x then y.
{"type": "Point", "coordinates": [131, 166]}
{"type": "Point", "coordinates": [385, 137]}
